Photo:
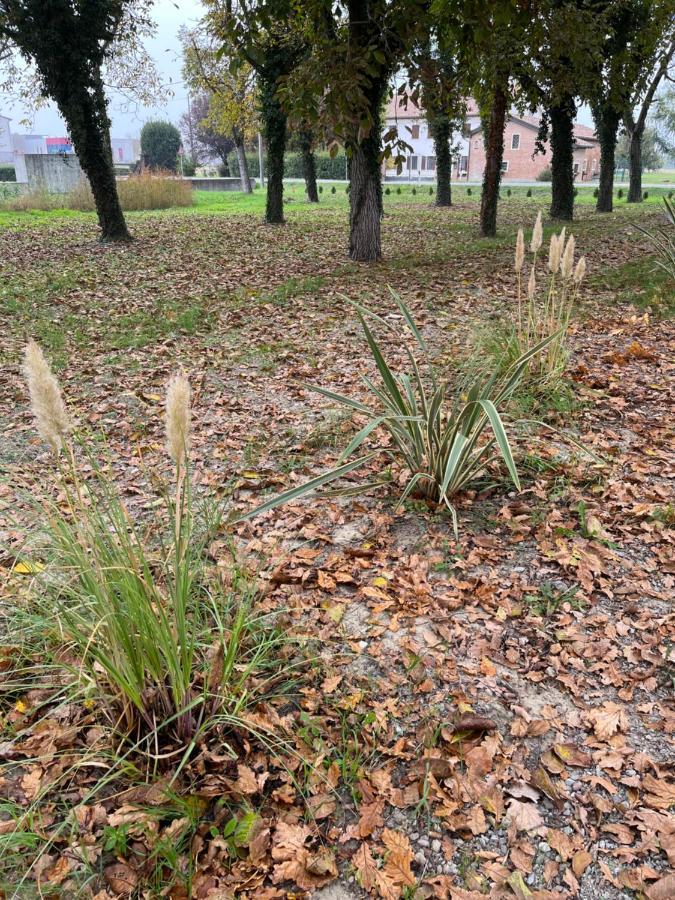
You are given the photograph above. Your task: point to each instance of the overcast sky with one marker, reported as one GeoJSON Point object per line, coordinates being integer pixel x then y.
{"type": "Point", "coordinates": [165, 49]}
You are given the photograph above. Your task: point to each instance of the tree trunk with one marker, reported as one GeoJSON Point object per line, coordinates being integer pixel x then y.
{"type": "Point", "coordinates": [493, 163]}
{"type": "Point", "coordinates": [365, 186]}
{"type": "Point", "coordinates": [441, 133]}
{"type": "Point", "coordinates": [86, 116]}
{"type": "Point", "coordinates": [224, 166]}
{"type": "Point", "coordinates": [309, 165]}
{"type": "Point", "coordinates": [607, 124]}
{"type": "Point", "coordinates": [274, 119]}
{"type": "Point", "coordinates": [242, 162]}
{"type": "Point", "coordinates": [635, 187]}
{"type": "Point", "coordinates": [562, 159]}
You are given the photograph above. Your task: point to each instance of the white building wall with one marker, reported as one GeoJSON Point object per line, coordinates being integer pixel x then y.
{"type": "Point", "coordinates": [6, 152]}
{"type": "Point", "coordinates": [421, 161]}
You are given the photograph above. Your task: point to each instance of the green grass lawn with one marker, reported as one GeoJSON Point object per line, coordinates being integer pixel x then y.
{"type": "Point", "coordinates": [333, 196]}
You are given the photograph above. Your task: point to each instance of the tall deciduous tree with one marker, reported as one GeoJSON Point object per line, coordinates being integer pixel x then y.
{"type": "Point", "coordinates": [342, 82]}
{"type": "Point", "coordinates": [208, 140]}
{"type": "Point", "coordinates": [70, 43]}
{"type": "Point", "coordinates": [633, 29]}
{"type": "Point", "coordinates": [231, 89]}
{"type": "Point", "coordinates": [264, 35]}
{"type": "Point", "coordinates": [436, 75]}
{"type": "Point", "coordinates": [654, 70]}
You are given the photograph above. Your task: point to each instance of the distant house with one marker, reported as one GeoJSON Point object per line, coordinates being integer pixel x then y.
{"type": "Point", "coordinates": [521, 163]}
{"type": "Point", "coordinates": [520, 135]}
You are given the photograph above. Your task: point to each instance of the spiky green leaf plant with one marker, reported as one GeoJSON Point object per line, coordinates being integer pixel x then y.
{"type": "Point", "coordinates": [663, 240]}
{"type": "Point", "coordinates": [444, 436]}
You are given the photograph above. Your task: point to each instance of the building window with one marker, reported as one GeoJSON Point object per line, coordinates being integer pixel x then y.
{"type": "Point", "coordinates": [576, 168]}
{"type": "Point", "coordinates": [515, 141]}
{"type": "Point", "coordinates": [412, 163]}
{"type": "Point", "coordinates": [463, 163]}
{"type": "Point", "coordinates": [424, 162]}
{"type": "Point", "coordinates": [414, 132]}
{"type": "Point", "coordinates": [431, 163]}
{"type": "Point", "coordinates": [505, 165]}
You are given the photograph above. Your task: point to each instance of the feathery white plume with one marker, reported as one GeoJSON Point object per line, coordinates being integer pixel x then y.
{"type": "Point", "coordinates": [178, 418]}
{"type": "Point", "coordinates": [537, 234]}
{"type": "Point", "coordinates": [45, 397]}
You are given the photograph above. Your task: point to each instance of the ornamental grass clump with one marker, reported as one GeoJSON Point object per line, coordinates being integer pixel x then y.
{"type": "Point", "coordinates": [663, 240]}
{"type": "Point", "coordinates": [544, 315]}
{"type": "Point", "coordinates": [444, 436]}
{"type": "Point", "coordinates": [166, 654]}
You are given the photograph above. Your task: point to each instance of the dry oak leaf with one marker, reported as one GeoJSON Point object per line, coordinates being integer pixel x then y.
{"type": "Point", "coordinates": [399, 858]}
{"type": "Point", "coordinates": [525, 816]}
{"type": "Point", "coordinates": [580, 862]}
{"type": "Point", "coordinates": [121, 878]}
{"type": "Point", "coordinates": [660, 793]}
{"type": "Point", "coordinates": [607, 719]}
{"type": "Point", "coordinates": [572, 755]}
{"type": "Point", "coordinates": [293, 858]}
{"type": "Point", "coordinates": [366, 868]}
{"type": "Point", "coordinates": [663, 889]}
{"type": "Point", "coordinates": [370, 817]}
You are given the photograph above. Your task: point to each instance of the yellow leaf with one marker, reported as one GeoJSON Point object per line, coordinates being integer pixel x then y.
{"type": "Point", "coordinates": [336, 613]}
{"type": "Point", "coordinates": [27, 568]}
{"type": "Point", "coordinates": [380, 581]}
{"type": "Point", "coordinates": [250, 474]}
{"type": "Point", "coordinates": [20, 706]}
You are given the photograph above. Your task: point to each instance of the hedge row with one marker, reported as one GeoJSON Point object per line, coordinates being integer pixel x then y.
{"type": "Point", "coordinates": [7, 173]}
{"type": "Point", "coordinates": [326, 167]}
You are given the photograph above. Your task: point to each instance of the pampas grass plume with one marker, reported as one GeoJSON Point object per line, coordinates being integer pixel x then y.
{"type": "Point", "coordinates": [520, 250]}
{"type": "Point", "coordinates": [567, 265]}
{"type": "Point", "coordinates": [537, 235]}
{"type": "Point", "coordinates": [580, 270]}
{"type": "Point", "coordinates": [178, 418]}
{"type": "Point", "coordinates": [45, 397]}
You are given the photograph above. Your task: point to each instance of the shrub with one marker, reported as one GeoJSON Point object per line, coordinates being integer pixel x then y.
{"type": "Point", "coordinates": [7, 173]}
{"type": "Point", "coordinates": [414, 192]}
{"type": "Point", "coordinates": [35, 198]}
{"type": "Point", "coordinates": [620, 193]}
{"type": "Point", "coordinates": [431, 192]}
{"type": "Point", "coordinates": [321, 189]}
{"type": "Point", "coordinates": [149, 190]}
{"type": "Point", "coordinates": [545, 174]}
{"type": "Point", "coordinates": [468, 192]}
{"type": "Point", "coordinates": [167, 658]}
{"type": "Point", "coordinates": [333, 190]}
{"type": "Point", "coordinates": [575, 192]}
{"type": "Point", "coordinates": [529, 192]}
{"type": "Point", "coordinates": [327, 166]}
{"type": "Point", "coordinates": [596, 192]}
{"type": "Point", "coordinates": [444, 437]}
{"type": "Point", "coordinates": [508, 192]}
{"type": "Point", "coordinates": [645, 195]}
{"type": "Point", "coordinates": [347, 189]}
{"type": "Point", "coordinates": [160, 143]}
{"type": "Point", "coordinates": [398, 189]}
{"type": "Point", "coordinates": [387, 191]}
{"type": "Point", "coordinates": [663, 240]}
{"type": "Point", "coordinates": [224, 171]}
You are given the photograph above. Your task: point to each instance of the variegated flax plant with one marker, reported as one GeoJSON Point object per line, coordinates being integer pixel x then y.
{"type": "Point", "coordinates": [546, 312]}
{"type": "Point", "coordinates": [444, 436]}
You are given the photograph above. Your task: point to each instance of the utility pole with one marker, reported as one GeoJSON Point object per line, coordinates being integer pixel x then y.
{"type": "Point", "coordinates": [192, 140]}
{"type": "Point", "coordinates": [260, 160]}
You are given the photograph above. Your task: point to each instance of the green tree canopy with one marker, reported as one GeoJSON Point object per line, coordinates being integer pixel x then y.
{"type": "Point", "coordinates": [160, 143]}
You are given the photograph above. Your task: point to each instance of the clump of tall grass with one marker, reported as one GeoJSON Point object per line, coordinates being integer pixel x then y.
{"type": "Point", "coordinates": [166, 653]}
{"type": "Point", "coordinates": [545, 312]}
{"type": "Point", "coordinates": [146, 190]}
{"type": "Point", "coordinates": [445, 436]}
{"type": "Point", "coordinates": [37, 198]}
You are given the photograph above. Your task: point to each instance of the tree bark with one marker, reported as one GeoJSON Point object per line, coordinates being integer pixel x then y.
{"type": "Point", "coordinates": [242, 162]}
{"type": "Point", "coordinates": [635, 187]}
{"type": "Point", "coordinates": [607, 124]}
{"type": "Point", "coordinates": [86, 116]}
{"type": "Point", "coordinates": [441, 134]}
{"type": "Point", "coordinates": [562, 159]}
{"type": "Point", "coordinates": [493, 163]}
{"type": "Point", "coordinates": [274, 119]}
{"type": "Point", "coordinates": [309, 165]}
{"type": "Point", "coordinates": [224, 166]}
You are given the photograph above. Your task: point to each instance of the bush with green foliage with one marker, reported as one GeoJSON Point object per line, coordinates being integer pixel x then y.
{"type": "Point", "coordinates": [7, 173]}
{"type": "Point", "coordinates": [189, 167]}
{"type": "Point", "coordinates": [160, 143]}
{"type": "Point", "coordinates": [508, 192]}
{"type": "Point", "coordinates": [645, 196]}
{"type": "Point", "coordinates": [529, 192]}
{"type": "Point", "coordinates": [333, 190]}
{"type": "Point", "coordinates": [545, 174]}
{"type": "Point", "coordinates": [414, 192]}
{"type": "Point", "coordinates": [431, 192]}
{"type": "Point", "coordinates": [398, 189]}
{"type": "Point", "coordinates": [468, 192]}
{"type": "Point", "coordinates": [596, 192]}
{"type": "Point", "coordinates": [445, 436]}
{"type": "Point", "coordinates": [387, 191]}
{"type": "Point", "coordinates": [619, 193]}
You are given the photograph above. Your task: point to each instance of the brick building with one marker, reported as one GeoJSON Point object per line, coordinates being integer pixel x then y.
{"type": "Point", "coordinates": [520, 162]}
{"type": "Point", "coordinates": [520, 135]}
